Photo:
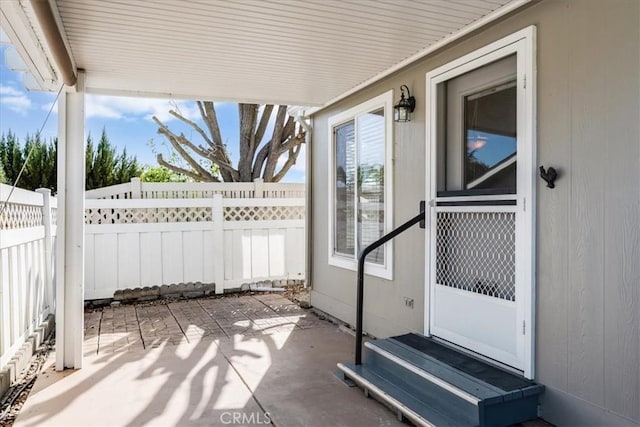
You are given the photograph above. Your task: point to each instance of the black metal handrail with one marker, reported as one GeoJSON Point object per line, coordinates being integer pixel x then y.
{"type": "Point", "coordinates": [363, 255]}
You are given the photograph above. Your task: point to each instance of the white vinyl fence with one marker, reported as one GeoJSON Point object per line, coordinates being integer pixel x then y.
{"type": "Point", "coordinates": [136, 242]}
{"type": "Point", "coordinates": [27, 239]}
{"type": "Point", "coordinates": [137, 189]}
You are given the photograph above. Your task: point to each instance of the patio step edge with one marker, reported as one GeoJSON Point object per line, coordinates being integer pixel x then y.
{"type": "Point", "coordinates": [386, 390]}
{"type": "Point", "coordinates": [438, 381]}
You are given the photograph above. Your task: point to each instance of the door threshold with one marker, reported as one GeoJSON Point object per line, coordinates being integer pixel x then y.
{"type": "Point", "coordinates": [478, 356]}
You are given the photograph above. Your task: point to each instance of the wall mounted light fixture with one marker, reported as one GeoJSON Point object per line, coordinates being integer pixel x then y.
{"type": "Point", "coordinates": [405, 106]}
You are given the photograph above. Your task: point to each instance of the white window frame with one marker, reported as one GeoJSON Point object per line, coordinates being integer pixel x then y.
{"type": "Point", "coordinates": [384, 101]}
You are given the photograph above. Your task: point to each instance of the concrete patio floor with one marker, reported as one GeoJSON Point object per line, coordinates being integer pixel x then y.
{"type": "Point", "coordinates": [249, 360]}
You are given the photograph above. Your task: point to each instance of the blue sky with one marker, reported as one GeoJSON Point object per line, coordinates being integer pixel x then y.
{"type": "Point", "coordinates": [127, 120]}
{"type": "Point", "coordinates": [494, 149]}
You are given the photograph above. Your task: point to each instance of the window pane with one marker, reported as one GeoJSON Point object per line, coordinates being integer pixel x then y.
{"type": "Point", "coordinates": [371, 156]}
{"type": "Point", "coordinates": [490, 134]}
{"type": "Point", "coordinates": [345, 183]}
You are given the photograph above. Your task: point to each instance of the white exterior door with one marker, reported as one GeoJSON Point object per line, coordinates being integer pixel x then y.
{"type": "Point", "coordinates": [480, 136]}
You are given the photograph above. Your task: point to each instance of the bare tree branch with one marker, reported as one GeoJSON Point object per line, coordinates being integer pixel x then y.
{"type": "Point", "coordinates": [274, 146]}
{"type": "Point", "coordinates": [177, 169]}
{"type": "Point", "coordinates": [293, 157]}
{"type": "Point", "coordinates": [248, 115]}
{"type": "Point", "coordinates": [193, 124]}
{"type": "Point", "coordinates": [258, 163]}
{"type": "Point", "coordinates": [199, 150]}
{"type": "Point", "coordinates": [291, 139]}
{"type": "Point", "coordinates": [264, 122]}
{"type": "Point", "coordinates": [214, 156]}
{"type": "Point", "coordinates": [176, 143]}
{"type": "Point", "coordinates": [226, 169]}
{"type": "Point", "coordinates": [257, 158]}
{"type": "Point", "coordinates": [211, 119]}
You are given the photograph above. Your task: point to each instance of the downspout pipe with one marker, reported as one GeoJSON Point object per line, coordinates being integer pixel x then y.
{"type": "Point", "coordinates": [47, 21]}
{"type": "Point", "coordinates": [308, 197]}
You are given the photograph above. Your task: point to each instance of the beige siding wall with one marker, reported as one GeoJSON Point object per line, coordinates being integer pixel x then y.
{"type": "Point", "coordinates": [588, 228]}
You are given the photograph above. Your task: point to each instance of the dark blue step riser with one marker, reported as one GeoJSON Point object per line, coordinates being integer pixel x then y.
{"type": "Point", "coordinates": [508, 413]}
{"type": "Point", "coordinates": [484, 414]}
{"type": "Point", "coordinates": [422, 388]}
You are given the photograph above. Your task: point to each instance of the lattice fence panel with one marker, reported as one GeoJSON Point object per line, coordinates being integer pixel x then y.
{"type": "Point", "coordinates": [192, 194]}
{"type": "Point", "coordinates": [147, 215]}
{"type": "Point", "coordinates": [263, 213]}
{"type": "Point", "coordinates": [475, 252]}
{"type": "Point", "coordinates": [20, 216]}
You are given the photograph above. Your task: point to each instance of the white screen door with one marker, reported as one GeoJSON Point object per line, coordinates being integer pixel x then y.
{"type": "Point", "coordinates": [480, 139]}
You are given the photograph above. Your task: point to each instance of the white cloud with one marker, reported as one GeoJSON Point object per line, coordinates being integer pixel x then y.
{"type": "Point", "coordinates": [14, 99]}
{"type": "Point", "coordinates": [112, 107]}
{"type": "Point", "coordinates": [124, 108]}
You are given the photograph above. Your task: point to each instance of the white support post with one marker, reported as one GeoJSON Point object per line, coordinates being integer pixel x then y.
{"type": "Point", "coordinates": [217, 210]}
{"type": "Point", "coordinates": [258, 188]}
{"type": "Point", "coordinates": [48, 247]}
{"type": "Point", "coordinates": [5, 303]}
{"type": "Point", "coordinates": [70, 228]}
{"type": "Point", "coordinates": [308, 206]}
{"type": "Point", "coordinates": [136, 188]}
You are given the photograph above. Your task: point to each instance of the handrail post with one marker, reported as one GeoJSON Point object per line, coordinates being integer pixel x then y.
{"type": "Point", "coordinates": [360, 308]}
{"type": "Point", "coordinates": [360, 292]}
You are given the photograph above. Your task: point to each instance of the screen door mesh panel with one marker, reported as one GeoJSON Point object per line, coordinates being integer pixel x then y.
{"type": "Point", "coordinates": [475, 252]}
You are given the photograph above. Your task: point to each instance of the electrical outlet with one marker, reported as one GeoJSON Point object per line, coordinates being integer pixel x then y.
{"type": "Point", "coordinates": [408, 302]}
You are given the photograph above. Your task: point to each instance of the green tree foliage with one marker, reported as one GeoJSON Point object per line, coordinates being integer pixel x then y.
{"type": "Point", "coordinates": [162, 174]}
{"type": "Point", "coordinates": [104, 166]}
{"type": "Point", "coordinates": [3, 177]}
{"type": "Point", "coordinates": [40, 170]}
{"type": "Point", "coordinates": [10, 155]}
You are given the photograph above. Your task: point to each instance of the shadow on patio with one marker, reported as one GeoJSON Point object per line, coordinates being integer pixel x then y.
{"type": "Point", "coordinates": [249, 360]}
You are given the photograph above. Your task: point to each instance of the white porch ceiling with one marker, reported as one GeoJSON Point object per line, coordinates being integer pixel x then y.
{"type": "Point", "coordinates": [279, 51]}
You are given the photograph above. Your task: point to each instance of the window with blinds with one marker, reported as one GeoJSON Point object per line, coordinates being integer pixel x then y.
{"type": "Point", "coordinates": [359, 206]}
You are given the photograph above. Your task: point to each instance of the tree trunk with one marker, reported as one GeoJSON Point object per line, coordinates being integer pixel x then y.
{"type": "Point", "coordinates": [256, 158]}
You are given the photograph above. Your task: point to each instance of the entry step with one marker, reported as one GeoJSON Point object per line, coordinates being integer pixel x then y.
{"type": "Point", "coordinates": [454, 364]}
{"type": "Point", "coordinates": [432, 384]}
{"type": "Point", "coordinates": [393, 394]}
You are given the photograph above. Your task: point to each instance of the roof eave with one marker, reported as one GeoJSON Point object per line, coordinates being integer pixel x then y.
{"type": "Point", "coordinates": [485, 20]}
